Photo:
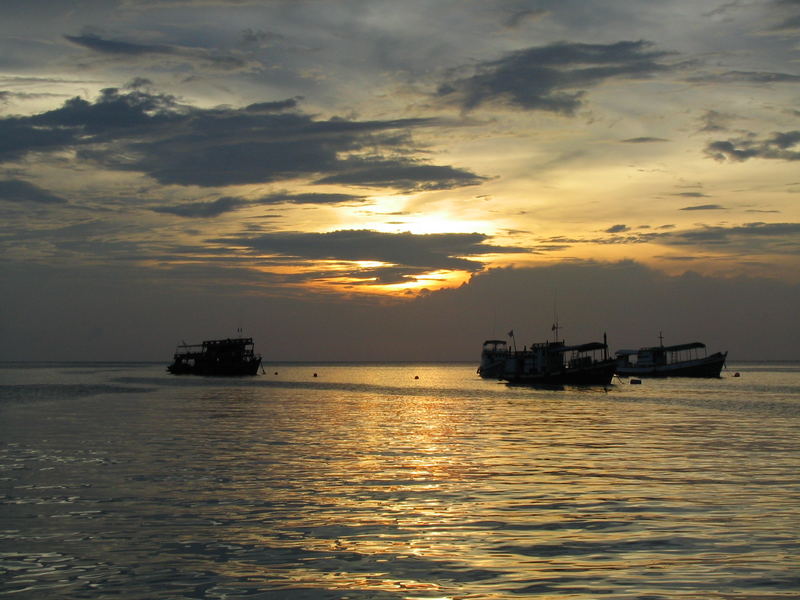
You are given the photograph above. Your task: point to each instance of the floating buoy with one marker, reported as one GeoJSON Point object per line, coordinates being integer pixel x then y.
{"type": "Point", "coordinates": [315, 374]}
{"type": "Point", "coordinates": [416, 376]}
{"type": "Point", "coordinates": [636, 381]}
{"type": "Point", "coordinates": [276, 372]}
{"type": "Point", "coordinates": [736, 374]}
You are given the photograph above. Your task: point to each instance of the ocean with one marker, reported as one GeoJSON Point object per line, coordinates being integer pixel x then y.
{"type": "Point", "coordinates": [395, 481]}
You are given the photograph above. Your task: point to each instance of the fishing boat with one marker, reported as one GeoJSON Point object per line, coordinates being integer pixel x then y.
{"type": "Point", "coordinates": [231, 356]}
{"type": "Point", "coordinates": [493, 359]}
{"type": "Point", "coordinates": [680, 360]}
{"type": "Point", "coordinates": [548, 363]}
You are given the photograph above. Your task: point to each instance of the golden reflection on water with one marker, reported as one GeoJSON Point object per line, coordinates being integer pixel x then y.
{"type": "Point", "coordinates": [445, 487]}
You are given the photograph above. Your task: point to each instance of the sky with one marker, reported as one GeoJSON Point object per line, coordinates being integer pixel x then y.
{"type": "Point", "coordinates": [383, 180]}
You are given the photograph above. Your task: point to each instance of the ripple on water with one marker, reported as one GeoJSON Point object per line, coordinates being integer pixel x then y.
{"type": "Point", "coordinates": [302, 489]}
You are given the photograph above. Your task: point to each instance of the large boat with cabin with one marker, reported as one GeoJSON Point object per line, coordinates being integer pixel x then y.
{"type": "Point", "coordinates": [231, 356]}
{"type": "Point", "coordinates": [680, 360]}
{"type": "Point", "coordinates": [548, 363]}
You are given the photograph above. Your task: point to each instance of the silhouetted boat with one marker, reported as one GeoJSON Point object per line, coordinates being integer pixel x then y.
{"type": "Point", "coordinates": [681, 360]}
{"type": "Point", "coordinates": [231, 356]}
{"type": "Point", "coordinates": [548, 363]}
{"type": "Point", "coordinates": [493, 359]}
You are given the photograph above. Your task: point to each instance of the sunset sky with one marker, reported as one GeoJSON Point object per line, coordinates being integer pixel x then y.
{"type": "Point", "coordinates": [374, 179]}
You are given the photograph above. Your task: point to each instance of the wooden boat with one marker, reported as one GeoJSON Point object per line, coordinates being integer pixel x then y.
{"type": "Point", "coordinates": [548, 363]}
{"type": "Point", "coordinates": [231, 356]}
{"type": "Point", "coordinates": [681, 360]}
{"type": "Point", "coordinates": [493, 359]}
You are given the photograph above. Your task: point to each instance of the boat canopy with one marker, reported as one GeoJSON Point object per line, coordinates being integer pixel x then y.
{"type": "Point", "coordinates": [581, 347]}
{"type": "Point", "coordinates": [689, 346]}
{"type": "Point", "coordinates": [676, 348]}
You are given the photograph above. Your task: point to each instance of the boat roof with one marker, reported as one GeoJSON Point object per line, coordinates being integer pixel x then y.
{"type": "Point", "coordinates": [675, 348]}
{"type": "Point", "coordinates": [582, 347]}
{"type": "Point", "coordinates": [494, 342]}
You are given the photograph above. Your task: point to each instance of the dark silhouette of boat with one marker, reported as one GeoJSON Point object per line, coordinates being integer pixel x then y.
{"type": "Point", "coordinates": [680, 360]}
{"type": "Point", "coordinates": [493, 359]}
{"type": "Point", "coordinates": [231, 356]}
{"type": "Point", "coordinates": [548, 363]}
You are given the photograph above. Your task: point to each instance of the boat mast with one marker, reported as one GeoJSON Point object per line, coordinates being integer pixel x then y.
{"type": "Point", "coordinates": [555, 326]}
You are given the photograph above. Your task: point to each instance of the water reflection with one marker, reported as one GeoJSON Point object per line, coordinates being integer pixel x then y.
{"type": "Point", "coordinates": [400, 489]}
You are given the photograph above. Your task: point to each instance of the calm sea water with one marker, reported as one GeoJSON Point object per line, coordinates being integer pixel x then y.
{"type": "Point", "coordinates": [121, 481]}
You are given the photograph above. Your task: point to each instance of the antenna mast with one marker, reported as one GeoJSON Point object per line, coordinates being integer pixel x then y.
{"type": "Point", "coordinates": [555, 326]}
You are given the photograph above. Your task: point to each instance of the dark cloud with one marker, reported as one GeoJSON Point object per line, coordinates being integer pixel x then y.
{"type": "Point", "coordinates": [776, 238]}
{"type": "Point", "coordinates": [17, 190]}
{"type": "Point", "coordinates": [691, 194]}
{"type": "Point", "coordinates": [779, 146]}
{"type": "Point", "coordinates": [264, 142]}
{"type": "Point", "coordinates": [789, 25]}
{"type": "Point", "coordinates": [18, 137]}
{"type": "Point", "coordinates": [552, 78]}
{"type": "Point", "coordinates": [142, 313]}
{"type": "Point", "coordinates": [423, 252]}
{"type": "Point", "coordinates": [131, 49]}
{"type": "Point", "coordinates": [749, 238]}
{"type": "Point", "coordinates": [704, 207]}
{"type": "Point", "coordinates": [228, 204]}
{"type": "Point", "coordinates": [203, 209]}
{"type": "Point", "coordinates": [309, 198]}
{"type": "Point", "coordinates": [101, 45]}
{"type": "Point", "coordinates": [713, 120]}
{"type": "Point", "coordinates": [402, 174]}
{"type": "Point", "coordinates": [759, 77]}
{"type": "Point", "coordinates": [643, 140]}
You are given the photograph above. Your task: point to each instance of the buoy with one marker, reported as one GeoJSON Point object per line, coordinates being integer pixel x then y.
{"type": "Point", "coordinates": [636, 381]}
{"type": "Point", "coordinates": [315, 374]}
{"type": "Point", "coordinates": [736, 374]}
{"type": "Point", "coordinates": [416, 376]}
{"type": "Point", "coordinates": [276, 372]}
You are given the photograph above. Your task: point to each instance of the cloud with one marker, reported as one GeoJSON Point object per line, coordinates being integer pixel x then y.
{"type": "Point", "coordinates": [779, 146]}
{"type": "Point", "coordinates": [643, 140]}
{"type": "Point", "coordinates": [758, 77]}
{"type": "Point", "coordinates": [402, 174]}
{"type": "Point", "coordinates": [123, 49]}
{"type": "Point", "coordinates": [228, 204]}
{"type": "Point", "coordinates": [141, 313]}
{"type": "Point", "coordinates": [423, 252]}
{"type": "Point", "coordinates": [309, 198]}
{"type": "Point", "coordinates": [523, 16]}
{"type": "Point", "coordinates": [552, 78]}
{"type": "Point", "coordinates": [17, 190]}
{"type": "Point", "coordinates": [704, 207]}
{"type": "Point", "coordinates": [789, 25]}
{"type": "Point", "coordinates": [261, 143]}
{"type": "Point", "coordinates": [691, 194]}
{"type": "Point", "coordinates": [713, 120]}
{"type": "Point", "coordinates": [617, 229]}
{"type": "Point", "coordinates": [773, 238]}
{"type": "Point", "coordinates": [203, 209]}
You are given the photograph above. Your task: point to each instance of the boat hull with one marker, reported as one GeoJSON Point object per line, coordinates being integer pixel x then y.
{"type": "Point", "coordinates": [709, 367]}
{"type": "Point", "coordinates": [249, 368]}
{"type": "Point", "coordinates": [599, 373]}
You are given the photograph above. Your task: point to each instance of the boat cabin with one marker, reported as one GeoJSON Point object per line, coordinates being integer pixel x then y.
{"type": "Point", "coordinates": [661, 355]}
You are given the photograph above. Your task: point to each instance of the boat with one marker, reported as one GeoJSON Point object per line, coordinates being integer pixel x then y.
{"type": "Point", "coordinates": [548, 363]}
{"type": "Point", "coordinates": [231, 356]}
{"type": "Point", "coordinates": [493, 359]}
{"type": "Point", "coordinates": [680, 360]}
